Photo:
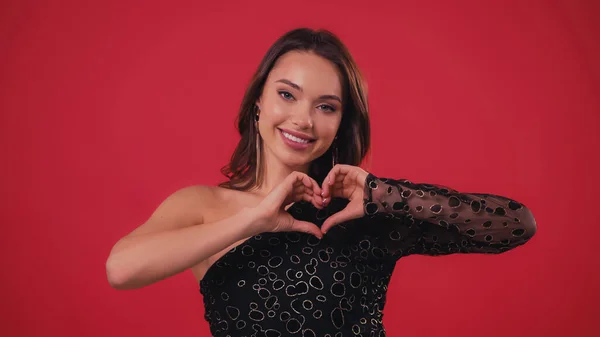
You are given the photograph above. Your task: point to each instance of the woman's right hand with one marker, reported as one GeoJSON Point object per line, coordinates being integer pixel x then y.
{"type": "Point", "coordinates": [271, 213]}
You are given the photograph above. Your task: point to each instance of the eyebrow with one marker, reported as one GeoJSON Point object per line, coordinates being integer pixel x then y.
{"type": "Point", "coordinates": [297, 87]}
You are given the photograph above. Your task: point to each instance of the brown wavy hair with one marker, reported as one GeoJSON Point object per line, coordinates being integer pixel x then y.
{"type": "Point", "coordinates": [353, 136]}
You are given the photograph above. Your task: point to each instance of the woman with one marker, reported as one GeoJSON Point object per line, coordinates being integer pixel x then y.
{"type": "Point", "coordinates": [300, 240]}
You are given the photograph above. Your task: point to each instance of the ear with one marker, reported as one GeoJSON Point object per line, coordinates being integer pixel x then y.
{"type": "Point", "coordinates": [257, 103]}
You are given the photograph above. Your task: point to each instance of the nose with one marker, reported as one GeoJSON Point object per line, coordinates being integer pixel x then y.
{"type": "Point", "coordinates": [302, 117]}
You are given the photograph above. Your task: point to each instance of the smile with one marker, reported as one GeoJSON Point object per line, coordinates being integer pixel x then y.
{"type": "Point", "coordinates": [296, 141]}
{"type": "Point", "coordinates": [294, 138]}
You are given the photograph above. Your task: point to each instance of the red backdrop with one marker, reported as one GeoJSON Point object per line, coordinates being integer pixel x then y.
{"type": "Point", "coordinates": [108, 107]}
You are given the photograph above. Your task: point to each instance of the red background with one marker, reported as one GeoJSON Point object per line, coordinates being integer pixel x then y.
{"type": "Point", "coordinates": [107, 107]}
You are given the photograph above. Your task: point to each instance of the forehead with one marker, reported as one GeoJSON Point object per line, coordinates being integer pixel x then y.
{"type": "Point", "coordinates": [313, 73]}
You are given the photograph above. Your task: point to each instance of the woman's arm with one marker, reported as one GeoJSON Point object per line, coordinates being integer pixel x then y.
{"type": "Point", "coordinates": [440, 220]}
{"type": "Point", "coordinates": [174, 238]}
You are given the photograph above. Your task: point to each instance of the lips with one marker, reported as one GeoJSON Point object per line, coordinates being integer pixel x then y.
{"type": "Point", "coordinates": [298, 135]}
{"type": "Point", "coordinates": [296, 140]}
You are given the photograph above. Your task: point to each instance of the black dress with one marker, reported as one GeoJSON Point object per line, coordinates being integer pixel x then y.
{"type": "Point", "coordinates": [293, 284]}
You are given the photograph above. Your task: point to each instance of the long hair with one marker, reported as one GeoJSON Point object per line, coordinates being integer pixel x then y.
{"type": "Point", "coordinates": [353, 136]}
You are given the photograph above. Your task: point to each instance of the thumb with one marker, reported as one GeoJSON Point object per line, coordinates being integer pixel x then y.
{"type": "Point", "coordinates": [337, 218]}
{"type": "Point", "coordinates": [277, 196]}
{"type": "Point", "coordinates": [282, 192]}
{"type": "Point", "coordinates": [306, 227]}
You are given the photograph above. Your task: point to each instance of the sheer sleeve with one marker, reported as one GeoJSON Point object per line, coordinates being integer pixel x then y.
{"type": "Point", "coordinates": [437, 220]}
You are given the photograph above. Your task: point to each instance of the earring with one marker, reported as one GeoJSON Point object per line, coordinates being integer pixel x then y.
{"type": "Point", "coordinates": [258, 163]}
{"type": "Point", "coordinates": [334, 153]}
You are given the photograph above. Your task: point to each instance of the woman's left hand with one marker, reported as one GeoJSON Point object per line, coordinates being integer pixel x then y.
{"type": "Point", "coordinates": [344, 181]}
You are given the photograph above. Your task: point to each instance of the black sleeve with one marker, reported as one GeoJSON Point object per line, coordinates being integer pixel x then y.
{"type": "Point", "coordinates": [436, 220]}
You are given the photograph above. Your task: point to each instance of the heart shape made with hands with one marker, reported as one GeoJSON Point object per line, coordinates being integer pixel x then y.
{"type": "Point", "coordinates": [348, 182]}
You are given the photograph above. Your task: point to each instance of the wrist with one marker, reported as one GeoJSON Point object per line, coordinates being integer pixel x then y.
{"type": "Point", "coordinates": [252, 224]}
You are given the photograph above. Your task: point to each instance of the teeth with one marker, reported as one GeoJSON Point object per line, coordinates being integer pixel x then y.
{"type": "Point", "coordinates": [294, 138]}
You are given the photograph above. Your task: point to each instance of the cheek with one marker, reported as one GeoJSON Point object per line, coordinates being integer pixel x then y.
{"type": "Point", "coordinates": [327, 127]}
{"type": "Point", "coordinates": [275, 114]}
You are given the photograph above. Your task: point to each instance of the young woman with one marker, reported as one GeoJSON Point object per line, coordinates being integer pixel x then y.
{"type": "Point", "coordinates": [300, 240]}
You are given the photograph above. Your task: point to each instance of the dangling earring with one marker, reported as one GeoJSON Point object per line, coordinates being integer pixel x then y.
{"type": "Point", "coordinates": [257, 144]}
{"type": "Point", "coordinates": [334, 153]}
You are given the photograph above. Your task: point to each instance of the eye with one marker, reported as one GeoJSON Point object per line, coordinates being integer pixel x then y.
{"type": "Point", "coordinates": [327, 107]}
{"type": "Point", "coordinates": [286, 95]}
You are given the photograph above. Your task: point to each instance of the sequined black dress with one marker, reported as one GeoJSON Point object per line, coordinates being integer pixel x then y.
{"type": "Point", "coordinates": [293, 284]}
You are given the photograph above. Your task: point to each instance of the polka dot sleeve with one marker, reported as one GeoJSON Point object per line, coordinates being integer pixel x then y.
{"type": "Point", "coordinates": [438, 220]}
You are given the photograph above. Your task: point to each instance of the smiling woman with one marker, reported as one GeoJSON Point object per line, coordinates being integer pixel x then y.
{"type": "Point", "coordinates": [298, 125]}
{"type": "Point", "coordinates": [308, 86]}
{"type": "Point", "coordinates": [300, 239]}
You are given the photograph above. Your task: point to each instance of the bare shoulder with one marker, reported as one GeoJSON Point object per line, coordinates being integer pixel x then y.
{"type": "Point", "coordinates": [185, 207]}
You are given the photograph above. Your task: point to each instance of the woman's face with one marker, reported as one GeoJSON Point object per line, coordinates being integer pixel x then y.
{"type": "Point", "coordinates": [300, 108]}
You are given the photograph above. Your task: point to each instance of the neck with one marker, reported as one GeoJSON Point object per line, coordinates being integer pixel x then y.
{"type": "Point", "coordinates": [274, 172]}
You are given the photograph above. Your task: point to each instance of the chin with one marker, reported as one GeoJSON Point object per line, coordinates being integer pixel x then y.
{"type": "Point", "coordinates": [295, 160]}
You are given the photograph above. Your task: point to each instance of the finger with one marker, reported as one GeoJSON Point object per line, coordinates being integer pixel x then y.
{"type": "Point", "coordinates": [282, 193]}
{"type": "Point", "coordinates": [343, 186]}
{"type": "Point", "coordinates": [333, 220]}
{"type": "Point", "coordinates": [315, 186]}
{"type": "Point", "coordinates": [316, 200]}
{"type": "Point", "coordinates": [337, 170]}
{"type": "Point", "coordinates": [310, 184]}
{"type": "Point", "coordinates": [338, 190]}
{"type": "Point", "coordinates": [337, 175]}
{"type": "Point", "coordinates": [298, 178]}
{"type": "Point", "coordinates": [295, 194]}
{"type": "Point", "coordinates": [344, 215]}
{"type": "Point", "coordinates": [305, 179]}
{"type": "Point", "coordinates": [312, 188]}
{"type": "Point", "coordinates": [307, 195]}
{"type": "Point", "coordinates": [311, 194]}
{"type": "Point", "coordinates": [301, 189]}
{"type": "Point", "coordinates": [329, 179]}
{"type": "Point", "coordinates": [335, 190]}
{"type": "Point", "coordinates": [306, 227]}
{"type": "Point", "coordinates": [304, 193]}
